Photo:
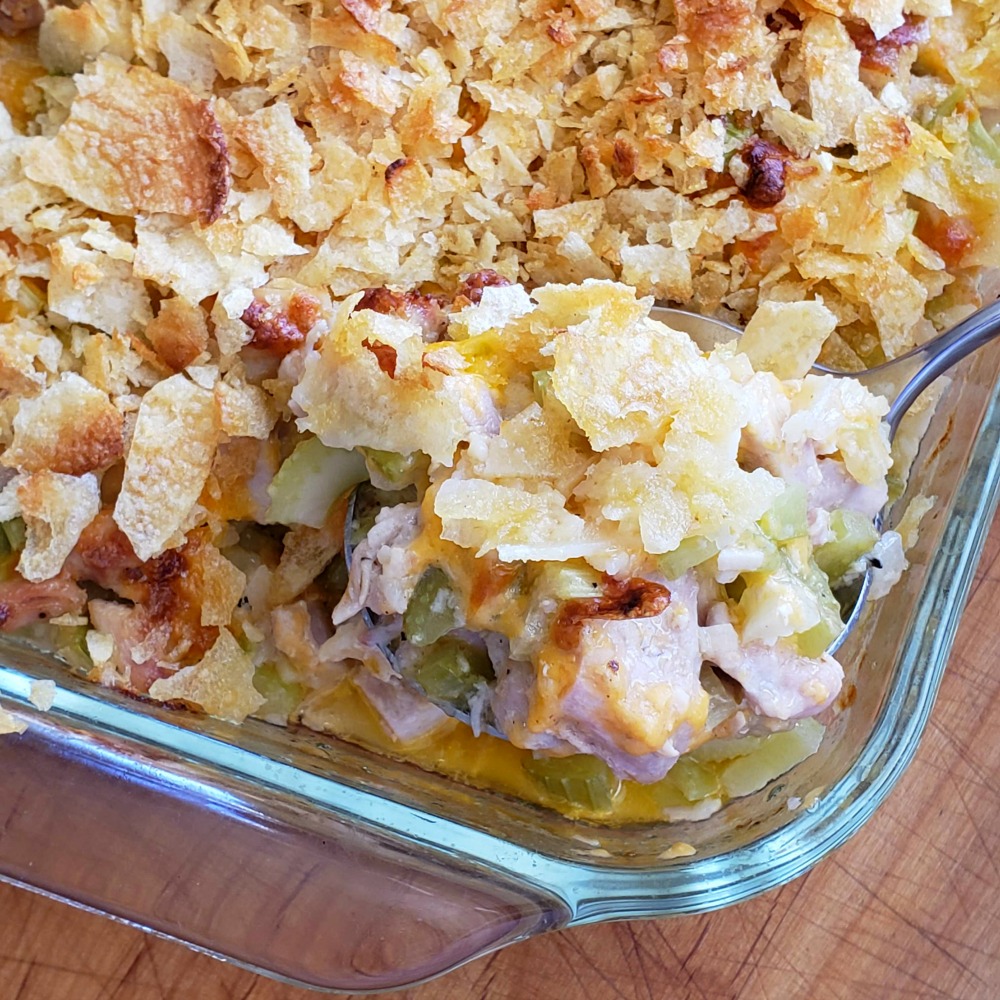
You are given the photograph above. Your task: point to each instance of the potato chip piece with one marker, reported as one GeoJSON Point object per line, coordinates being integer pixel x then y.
{"type": "Point", "coordinates": [71, 428]}
{"type": "Point", "coordinates": [518, 524]}
{"type": "Point", "coordinates": [566, 305]}
{"type": "Point", "coordinates": [643, 500]}
{"type": "Point", "coordinates": [536, 443]}
{"type": "Point", "coordinates": [133, 142]}
{"type": "Point", "coordinates": [580, 217]}
{"type": "Point", "coordinates": [352, 395]}
{"type": "Point", "coordinates": [56, 508]}
{"type": "Point", "coordinates": [895, 297]}
{"type": "Point", "coordinates": [837, 96]}
{"type": "Point", "coordinates": [644, 379]}
{"type": "Point", "coordinates": [245, 410]}
{"type": "Point", "coordinates": [20, 195]}
{"type": "Point", "coordinates": [737, 49]}
{"type": "Point", "coordinates": [658, 270]}
{"type": "Point", "coordinates": [25, 352]}
{"type": "Point", "coordinates": [221, 684]}
{"type": "Point", "coordinates": [221, 585]}
{"type": "Point", "coordinates": [786, 337]}
{"type": "Point", "coordinates": [168, 462]}
{"type": "Point", "coordinates": [197, 262]}
{"type": "Point", "coordinates": [720, 494]}
{"type": "Point", "coordinates": [498, 307]}
{"type": "Point", "coordinates": [69, 37]}
{"type": "Point", "coordinates": [313, 201]}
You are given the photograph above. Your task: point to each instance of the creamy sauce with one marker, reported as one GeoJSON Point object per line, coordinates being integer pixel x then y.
{"type": "Point", "coordinates": [483, 761]}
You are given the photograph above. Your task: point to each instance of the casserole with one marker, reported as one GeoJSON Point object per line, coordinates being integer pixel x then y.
{"type": "Point", "coordinates": [345, 870]}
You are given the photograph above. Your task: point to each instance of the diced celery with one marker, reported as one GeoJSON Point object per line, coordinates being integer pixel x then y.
{"type": "Point", "coordinates": [70, 643]}
{"type": "Point", "coordinates": [983, 141]}
{"type": "Point", "coordinates": [793, 600]}
{"type": "Point", "coordinates": [450, 671]}
{"type": "Point", "coordinates": [778, 753]}
{"type": "Point", "coordinates": [695, 779]}
{"type": "Point", "coordinates": [567, 581]}
{"type": "Point", "coordinates": [735, 138]}
{"type": "Point", "coordinates": [14, 533]}
{"type": "Point", "coordinates": [948, 105]}
{"type": "Point", "coordinates": [666, 793]}
{"type": "Point", "coordinates": [776, 604]}
{"type": "Point", "coordinates": [814, 641]}
{"type": "Point", "coordinates": [725, 749]}
{"type": "Point", "coordinates": [691, 552]}
{"type": "Point", "coordinates": [854, 535]}
{"type": "Point", "coordinates": [309, 481]}
{"type": "Point", "coordinates": [787, 517]}
{"type": "Point", "coordinates": [753, 539]}
{"type": "Point", "coordinates": [433, 608]}
{"type": "Point", "coordinates": [579, 780]}
{"type": "Point", "coordinates": [392, 470]}
{"type": "Point", "coordinates": [540, 382]}
{"type": "Point", "coordinates": [282, 697]}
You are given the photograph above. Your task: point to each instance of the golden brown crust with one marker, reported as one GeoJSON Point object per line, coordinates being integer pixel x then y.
{"type": "Point", "coordinates": [950, 236]}
{"type": "Point", "coordinates": [622, 599]}
{"type": "Point", "coordinates": [178, 333]}
{"type": "Point", "coordinates": [882, 54]}
{"type": "Point", "coordinates": [70, 428]}
{"type": "Point", "coordinates": [280, 329]}
{"type": "Point", "coordinates": [135, 141]}
{"type": "Point", "coordinates": [425, 310]}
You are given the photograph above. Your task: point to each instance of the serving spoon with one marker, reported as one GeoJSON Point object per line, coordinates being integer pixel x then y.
{"type": "Point", "coordinates": [902, 380]}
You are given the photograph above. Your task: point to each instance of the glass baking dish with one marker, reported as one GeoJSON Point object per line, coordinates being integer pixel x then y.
{"type": "Point", "coordinates": [332, 867]}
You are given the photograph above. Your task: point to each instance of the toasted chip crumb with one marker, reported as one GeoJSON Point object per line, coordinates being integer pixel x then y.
{"type": "Point", "coordinates": [677, 850]}
{"type": "Point", "coordinates": [100, 646]}
{"type": "Point", "coordinates": [69, 621]}
{"type": "Point", "coordinates": [42, 694]}
{"type": "Point", "coordinates": [10, 723]}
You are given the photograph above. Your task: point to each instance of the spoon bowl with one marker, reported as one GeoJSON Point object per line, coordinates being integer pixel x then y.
{"type": "Point", "coordinates": [902, 380]}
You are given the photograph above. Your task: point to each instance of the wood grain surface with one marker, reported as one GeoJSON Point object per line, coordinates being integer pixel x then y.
{"type": "Point", "coordinates": [909, 908]}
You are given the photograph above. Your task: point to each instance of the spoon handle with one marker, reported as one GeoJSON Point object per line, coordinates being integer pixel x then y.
{"type": "Point", "coordinates": [940, 354]}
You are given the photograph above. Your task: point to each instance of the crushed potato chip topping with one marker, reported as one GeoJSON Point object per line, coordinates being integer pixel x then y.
{"type": "Point", "coordinates": [227, 228]}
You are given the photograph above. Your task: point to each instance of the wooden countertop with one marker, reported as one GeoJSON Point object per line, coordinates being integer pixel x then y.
{"type": "Point", "coordinates": [910, 907]}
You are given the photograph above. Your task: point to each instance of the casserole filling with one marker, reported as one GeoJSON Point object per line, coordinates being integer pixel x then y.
{"type": "Point", "coordinates": [254, 254]}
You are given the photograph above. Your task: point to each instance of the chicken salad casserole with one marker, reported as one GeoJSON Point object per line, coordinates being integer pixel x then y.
{"type": "Point", "coordinates": [330, 393]}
